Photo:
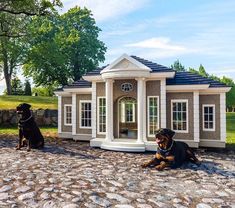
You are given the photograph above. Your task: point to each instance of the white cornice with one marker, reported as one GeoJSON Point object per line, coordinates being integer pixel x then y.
{"type": "Point", "coordinates": [62, 93]}
{"type": "Point", "coordinates": [125, 74]}
{"type": "Point", "coordinates": [162, 75]}
{"type": "Point", "coordinates": [215, 90]}
{"type": "Point", "coordinates": [78, 90]}
{"type": "Point", "coordinates": [96, 78]}
{"type": "Point", "coordinates": [186, 88]}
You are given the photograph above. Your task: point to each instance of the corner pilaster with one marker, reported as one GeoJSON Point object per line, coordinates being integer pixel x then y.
{"type": "Point", "coordinates": [93, 107]}
{"type": "Point", "coordinates": [196, 116]}
{"type": "Point", "coordinates": [163, 102]}
{"type": "Point", "coordinates": [222, 117]}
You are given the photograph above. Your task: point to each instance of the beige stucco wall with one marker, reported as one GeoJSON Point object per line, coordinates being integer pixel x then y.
{"type": "Point", "coordinates": [189, 97]}
{"type": "Point", "coordinates": [78, 129]}
{"type": "Point", "coordinates": [65, 100]}
{"type": "Point", "coordinates": [152, 89]}
{"type": "Point", "coordinates": [210, 99]}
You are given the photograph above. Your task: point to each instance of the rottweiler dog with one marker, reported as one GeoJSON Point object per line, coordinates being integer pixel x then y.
{"type": "Point", "coordinates": [170, 153]}
{"type": "Point", "coordinates": [29, 133]}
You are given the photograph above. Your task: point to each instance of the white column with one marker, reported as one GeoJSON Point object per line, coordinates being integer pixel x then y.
{"type": "Point", "coordinates": [140, 107]}
{"type": "Point", "coordinates": [109, 107]}
{"type": "Point", "coordinates": [59, 114]}
{"type": "Point", "coordinates": [144, 112]}
{"type": "Point", "coordinates": [196, 116]}
{"type": "Point", "coordinates": [93, 108]}
{"type": "Point", "coordinates": [163, 102]}
{"type": "Point", "coordinates": [74, 113]}
{"type": "Point", "coordinates": [222, 117]}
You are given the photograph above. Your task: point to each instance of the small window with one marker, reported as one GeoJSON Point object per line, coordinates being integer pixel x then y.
{"type": "Point", "coordinates": [127, 108]}
{"type": "Point", "coordinates": [101, 115]}
{"type": "Point", "coordinates": [179, 116]}
{"type": "Point", "coordinates": [153, 115]}
{"type": "Point", "coordinates": [208, 118]}
{"type": "Point", "coordinates": [85, 114]}
{"type": "Point", "coordinates": [68, 115]}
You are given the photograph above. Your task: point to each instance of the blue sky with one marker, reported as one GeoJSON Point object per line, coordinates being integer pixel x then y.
{"type": "Point", "coordinates": [195, 32]}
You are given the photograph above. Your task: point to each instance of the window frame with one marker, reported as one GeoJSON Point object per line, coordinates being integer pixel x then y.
{"type": "Point", "coordinates": [98, 115]}
{"type": "Point", "coordinates": [65, 115]}
{"type": "Point", "coordinates": [125, 116]}
{"type": "Point", "coordinates": [187, 112]}
{"type": "Point", "coordinates": [80, 114]}
{"type": "Point", "coordinates": [203, 120]}
{"type": "Point", "coordinates": [148, 114]}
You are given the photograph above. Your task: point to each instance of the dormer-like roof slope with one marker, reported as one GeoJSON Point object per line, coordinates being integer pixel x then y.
{"type": "Point", "coordinates": [153, 66]}
{"type": "Point", "coordinates": [189, 78]}
{"type": "Point", "coordinates": [79, 84]}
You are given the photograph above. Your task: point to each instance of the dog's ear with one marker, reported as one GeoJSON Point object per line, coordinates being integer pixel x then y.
{"type": "Point", "coordinates": [169, 133]}
{"type": "Point", "coordinates": [26, 105]}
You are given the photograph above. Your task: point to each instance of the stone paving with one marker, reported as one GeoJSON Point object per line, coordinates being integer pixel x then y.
{"type": "Point", "coordinates": [70, 174]}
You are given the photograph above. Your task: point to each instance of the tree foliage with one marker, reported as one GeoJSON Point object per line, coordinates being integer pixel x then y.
{"type": "Point", "coordinates": [178, 66]}
{"type": "Point", "coordinates": [27, 88]}
{"type": "Point", "coordinates": [63, 47]}
{"type": "Point", "coordinates": [17, 86]}
{"type": "Point", "coordinates": [15, 13]}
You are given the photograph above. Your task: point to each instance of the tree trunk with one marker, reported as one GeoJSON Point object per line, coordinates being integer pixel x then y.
{"type": "Point", "coordinates": [7, 74]}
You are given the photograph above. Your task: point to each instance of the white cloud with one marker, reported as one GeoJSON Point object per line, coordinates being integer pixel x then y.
{"type": "Point", "coordinates": [157, 43]}
{"type": "Point", "coordinates": [106, 10]}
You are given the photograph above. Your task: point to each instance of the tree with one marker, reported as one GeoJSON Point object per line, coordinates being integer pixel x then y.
{"type": "Point", "coordinates": [202, 71]}
{"type": "Point", "coordinates": [64, 47]}
{"type": "Point", "coordinates": [14, 13]}
{"type": "Point", "coordinates": [27, 88]}
{"type": "Point", "coordinates": [178, 66]}
{"type": "Point", "coordinates": [11, 56]}
{"type": "Point", "coordinates": [17, 86]}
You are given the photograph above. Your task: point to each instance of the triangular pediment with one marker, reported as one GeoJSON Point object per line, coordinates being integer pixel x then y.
{"type": "Point", "coordinates": [126, 62]}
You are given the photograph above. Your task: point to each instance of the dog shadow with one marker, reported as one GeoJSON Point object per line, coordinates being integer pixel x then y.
{"type": "Point", "coordinates": [50, 148]}
{"type": "Point", "coordinates": [210, 168]}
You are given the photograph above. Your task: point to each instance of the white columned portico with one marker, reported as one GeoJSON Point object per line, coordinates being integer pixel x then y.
{"type": "Point", "coordinates": [163, 102]}
{"type": "Point", "coordinates": [109, 109]}
{"type": "Point", "coordinates": [140, 107]}
{"type": "Point", "coordinates": [93, 98]}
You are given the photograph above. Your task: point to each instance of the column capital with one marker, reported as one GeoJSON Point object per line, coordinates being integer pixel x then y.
{"type": "Point", "coordinates": [140, 79]}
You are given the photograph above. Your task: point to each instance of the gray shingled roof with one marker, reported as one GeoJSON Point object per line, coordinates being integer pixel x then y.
{"type": "Point", "coordinates": [181, 78]}
{"type": "Point", "coordinates": [153, 66]}
{"type": "Point", "coordinates": [79, 84]}
{"type": "Point", "coordinates": [189, 78]}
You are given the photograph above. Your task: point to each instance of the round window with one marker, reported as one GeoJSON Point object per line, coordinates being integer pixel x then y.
{"type": "Point", "coordinates": [127, 87]}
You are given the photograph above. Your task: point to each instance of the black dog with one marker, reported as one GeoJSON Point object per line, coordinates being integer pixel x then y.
{"type": "Point", "coordinates": [28, 129]}
{"type": "Point", "coordinates": [170, 153]}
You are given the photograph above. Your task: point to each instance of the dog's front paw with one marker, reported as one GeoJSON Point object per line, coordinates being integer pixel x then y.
{"type": "Point", "coordinates": [18, 147]}
{"type": "Point", "coordinates": [159, 167]}
{"type": "Point", "coordinates": [145, 165]}
{"type": "Point", "coordinates": [28, 150]}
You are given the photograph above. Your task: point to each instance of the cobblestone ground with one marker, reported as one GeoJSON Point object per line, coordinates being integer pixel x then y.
{"type": "Point", "coordinates": [71, 174]}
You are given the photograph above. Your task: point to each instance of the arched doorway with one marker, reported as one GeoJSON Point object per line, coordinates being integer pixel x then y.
{"type": "Point", "coordinates": [127, 116]}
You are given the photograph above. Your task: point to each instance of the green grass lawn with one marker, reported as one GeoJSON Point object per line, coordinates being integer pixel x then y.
{"type": "Point", "coordinates": [13, 131]}
{"type": "Point", "coordinates": [230, 117]}
{"type": "Point", "coordinates": [10, 102]}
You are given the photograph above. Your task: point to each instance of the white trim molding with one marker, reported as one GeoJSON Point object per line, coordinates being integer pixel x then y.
{"type": "Point", "coordinates": [163, 102]}
{"type": "Point", "coordinates": [222, 117]}
{"type": "Point", "coordinates": [215, 90]}
{"type": "Point", "coordinates": [80, 114]}
{"type": "Point", "coordinates": [93, 107]}
{"type": "Point", "coordinates": [98, 115]}
{"type": "Point", "coordinates": [152, 135]}
{"type": "Point", "coordinates": [62, 93]}
{"type": "Point", "coordinates": [186, 88]}
{"type": "Point", "coordinates": [196, 116]}
{"type": "Point", "coordinates": [74, 113]}
{"type": "Point", "coordinates": [187, 121]}
{"type": "Point", "coordinates": [59, 114]}
{"type": "Point", "coordinates": [203, 117]}
{"type": "Point", "coordinates": [79, 90]}
{"type": "Point", "coordinates": [65, 115]}
{"type": "Point", "coordinates": [144, 113]}
{"type": "Point", "coordinates": [160, 75]}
